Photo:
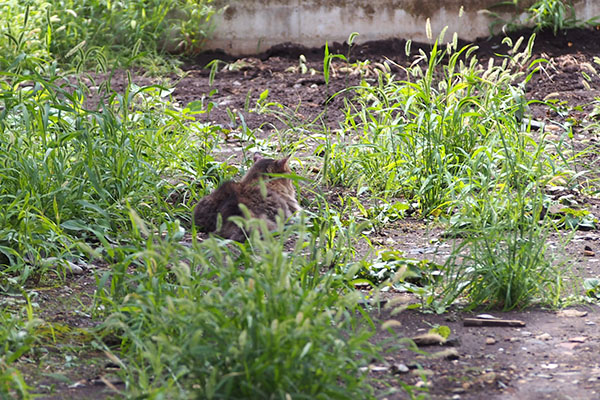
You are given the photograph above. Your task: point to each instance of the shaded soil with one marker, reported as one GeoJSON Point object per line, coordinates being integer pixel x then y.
{"type": "Point", "coordinates": [552, 357]}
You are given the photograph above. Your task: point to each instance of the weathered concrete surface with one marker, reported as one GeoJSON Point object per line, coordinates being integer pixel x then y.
{"type": "Point", "coordinates": [251, 26]}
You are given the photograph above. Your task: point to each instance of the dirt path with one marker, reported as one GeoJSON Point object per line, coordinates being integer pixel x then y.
{"type": "Point", "coordinates": [555, 356]}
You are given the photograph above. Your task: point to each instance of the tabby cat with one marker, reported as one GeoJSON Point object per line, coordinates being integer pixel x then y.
{"type": "Point", "coordinates": [280, 195]}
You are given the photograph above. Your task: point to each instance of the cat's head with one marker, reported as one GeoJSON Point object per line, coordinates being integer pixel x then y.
{"type": "Point", "coordinates": [264, 165]}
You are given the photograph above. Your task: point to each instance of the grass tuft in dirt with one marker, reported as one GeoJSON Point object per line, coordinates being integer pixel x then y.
{"type": "Point", "coordinates": [127, 33]}
{"type": "Point", "coordinates": [17, 335]}
{"type": "Point", "coordinates": [227, 320]}
{"type": "Point", "coordinates": [70, 174]}
{"type": "Point", "coordinates": [541, 15]}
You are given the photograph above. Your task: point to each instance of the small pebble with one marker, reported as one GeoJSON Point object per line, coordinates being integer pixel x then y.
{"type": "Point", "coordinates": [544, 336]}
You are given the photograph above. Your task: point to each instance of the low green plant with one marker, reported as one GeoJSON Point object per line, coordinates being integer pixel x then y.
{"type": "Point", "coordinates": [557, 15]}
{"type": "Point", "coordinates": [592, 288]}
{"type": "Point", "coordinates": [17, 335]}
{"type": "Point", "coordinates": [393, 267]}
{"type": "Point", "coordinates": [267, 319]}
{"type": "Point", "coordinates": [594, 115]}
{"type": "Point", "coordinates": [328, 57]}
{"type": "Point", "coordinates": [501, 259]}
{"type": "Point", "coordinates": [134, 31]}
{"type": "Point", "coordinates": [382, 212]}
{"type": "Point", "coordinates": [302, 67]}
{"type": "Point", "coordinates": [70, 174]}
{"type": "Point", "coordinates": [502, 266]}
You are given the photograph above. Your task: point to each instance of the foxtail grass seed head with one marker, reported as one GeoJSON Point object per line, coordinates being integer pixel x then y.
{"type": "Point", "coordinates": [428, 29]}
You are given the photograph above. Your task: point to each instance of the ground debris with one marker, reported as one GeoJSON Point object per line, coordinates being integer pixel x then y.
{"type": "Point", "coordinates": [428, 339]}
{"type": "Point", "coordinates": [487, 378]}
{"type": "Point", "coordinates": [449, 354]}
{"type": "Point", "coordinates": [571, 313]}
{"type": "Point", "coordinates": [492, 322]}
{"type": "Point", "coordinates": [399, 368]}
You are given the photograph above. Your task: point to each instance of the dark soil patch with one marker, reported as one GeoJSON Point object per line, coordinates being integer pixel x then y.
{"type": "Point", "coordinates": [551, 358]}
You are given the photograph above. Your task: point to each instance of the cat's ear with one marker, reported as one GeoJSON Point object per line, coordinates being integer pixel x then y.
{"type": "Point", "coordinates": [283, 162]}
{"type": "Point", "coordinates": [257, 157]}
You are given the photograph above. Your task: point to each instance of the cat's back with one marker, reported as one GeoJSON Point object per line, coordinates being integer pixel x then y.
{"type": "Point", "coordinates": [264, 190]}
{"type": "Point", "coordinates": [224, 200]}
{"type": "Point", "coordinates": [265, 201]}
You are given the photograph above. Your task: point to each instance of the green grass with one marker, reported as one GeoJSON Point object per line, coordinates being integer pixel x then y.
{"type": "Point", "coordinates": [542, 15]}
{"type": "Point", "coordinates": [70, 174]}
{"type": "Point", "coordinates": [422, 138]}
{"type": "Point", "coordinates": [115, 183]}
{"type": "Point", "coordinates": [123, 33]}
{"type": "Point", "coordinates": [449, 143]}
{"type": "Point", "coordinates": [94, 176]}
{"type": "Point", "coordinates": [18, 336]}
{"type": "Point", "coordinates": [502, 261]}
{"type": "Point", "coordinates": [241, 321]}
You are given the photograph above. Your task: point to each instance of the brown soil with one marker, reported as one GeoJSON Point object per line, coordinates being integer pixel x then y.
{"type": "Point", "coordinates": [552, 357]}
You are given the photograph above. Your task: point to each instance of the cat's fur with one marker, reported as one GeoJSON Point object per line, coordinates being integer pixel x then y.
{"type": "Point", "coordinates": [225, 200]}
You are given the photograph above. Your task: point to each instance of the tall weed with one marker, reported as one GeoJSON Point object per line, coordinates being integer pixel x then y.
{"type": "Point", "coordinates": [70, 173]}
{"type": "Point", "coordinates": [267, 319]}
{"type": "Point", "coordinates": [66, 30]}
{"type": "Point", "coordinates": [501, 260]}
{"type": "Point", "coordinates": [416, 137]}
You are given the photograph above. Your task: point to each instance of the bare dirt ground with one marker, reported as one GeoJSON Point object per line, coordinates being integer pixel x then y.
{"type": "Point", "coordinates": [554, 356]}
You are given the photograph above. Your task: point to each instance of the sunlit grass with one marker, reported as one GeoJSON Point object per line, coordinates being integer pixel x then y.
{"type": "Point", "coordinates": [449, 143]}
{"type": "Point", "coordinates": [123, 33]}
{"type": "Point", "coordinates": [261, 319]}
{"type": "Point", "coordinates": [72, 174]}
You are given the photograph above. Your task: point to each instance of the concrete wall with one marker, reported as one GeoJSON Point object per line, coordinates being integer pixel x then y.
{"type": "Point", "coordinates": [252, 26]}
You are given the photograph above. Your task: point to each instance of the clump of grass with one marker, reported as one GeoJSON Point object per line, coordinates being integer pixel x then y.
{"type": "Point", "coordinates": [131, 32]}
{"type": "Point", "coordinates": [17, 335]}
{"type": "Point", "coordinates": [260, 320]}
{"type": "Point", "coordinates": [557, 15]}
{"type": "Point", "coordinates": [501, 259]}
{"type": "Point", "coordinates": [417, 138]}
{"type": "Point", "coordinates": [450, 141]}
{"type": "Point", "coordinates": [504, 267]}
{"type": "Point", "coordinates": [70, 174]}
